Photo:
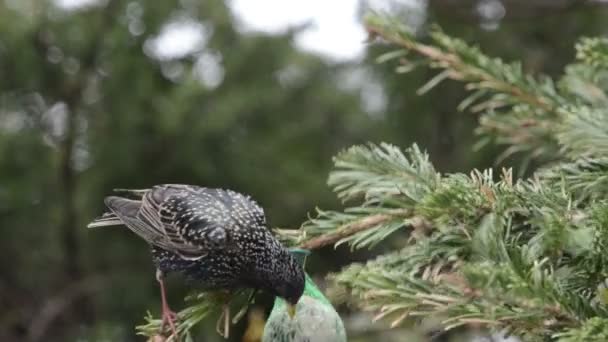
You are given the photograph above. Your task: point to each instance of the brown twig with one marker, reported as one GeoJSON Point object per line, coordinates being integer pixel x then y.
{"type": "Point", "coordinates": [351, 229]}
{"type": "Point", "coordinates": [452, 61]}
{"type": "Point", "coordinates": [346, 230]}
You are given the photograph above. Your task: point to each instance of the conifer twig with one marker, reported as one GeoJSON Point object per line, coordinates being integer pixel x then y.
{"type": "Point", "coordinates": [518, 110]}
{"type": "Point", "coordinates": [458, 69]}
{"type": "Point", "coordinates": [353, 228]}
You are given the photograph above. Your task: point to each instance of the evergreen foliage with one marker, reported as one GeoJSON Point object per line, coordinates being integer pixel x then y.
{"type": "Point", "coordinates": [522, 255]}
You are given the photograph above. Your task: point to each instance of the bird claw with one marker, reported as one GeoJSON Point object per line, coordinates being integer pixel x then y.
{"type": "Point", "coordinates": [169, 317]}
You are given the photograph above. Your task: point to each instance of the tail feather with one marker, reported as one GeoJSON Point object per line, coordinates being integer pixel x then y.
{"type": "Point", "coordinates": [128, 212]}
{"type": "Point", "coordinates": [124, 207]}
{"type": "Point", "coordinates": [107, 219]}
{"type": "Point", "coordinates": [138, 193]}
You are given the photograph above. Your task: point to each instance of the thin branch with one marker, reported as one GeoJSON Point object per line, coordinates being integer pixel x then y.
{"type": "Point", "coordinates": [356, 227]}
{"type": "Point", "coordinates": [460, 70]}
{"type": "Point", "coordinates": [346, 230]}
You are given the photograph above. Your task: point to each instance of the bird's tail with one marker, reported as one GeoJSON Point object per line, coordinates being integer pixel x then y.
{"type": "Point", "coordinates": [125, 207]}
{"type": "Point", "coordinates": [137, 193]}
{"type": "Point", "coordinates": [107, 219]}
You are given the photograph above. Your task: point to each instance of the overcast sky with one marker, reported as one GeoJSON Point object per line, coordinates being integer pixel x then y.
{"type": "Point", "coordinates": [334, 32]}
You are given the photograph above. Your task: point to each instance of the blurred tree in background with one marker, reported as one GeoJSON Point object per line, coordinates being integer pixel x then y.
{"type": "Point", "coordinates": [90, 101]}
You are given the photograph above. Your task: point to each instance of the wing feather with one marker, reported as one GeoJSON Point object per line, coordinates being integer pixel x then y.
{"type": "Point", "coordinates": [185, 219]}
{"type": "Point", "coordinates": [161, 207]}
{"type": "Point", "coordinates": [127, 211]}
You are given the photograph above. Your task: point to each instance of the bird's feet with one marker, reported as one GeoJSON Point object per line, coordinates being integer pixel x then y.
{"type": "Point", "coordinates": [168, 318]}
{"type": "Point", "coordinates": [168, 315]}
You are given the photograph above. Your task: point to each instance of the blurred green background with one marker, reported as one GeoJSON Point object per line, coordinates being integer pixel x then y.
{"type": "Point", "coordinates": [88, 103]}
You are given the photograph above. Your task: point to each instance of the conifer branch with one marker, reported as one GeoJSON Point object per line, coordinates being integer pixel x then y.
{"type": "Point", "coordinates": [468, 64]}
{"type": "Point", "coordinates": [592, 330]}
{"type": "Point", "coordinates": [586, 83]}
{"type": "Point", "coordinates": [387, 181]}
{"type": "Point", "coordinates": [582, 135]}
{"type": "Point", "coordinates": [518, 110]}
{"type": "Point", "coordinates": [353, 228]}
{"type": "Point", "coordinates": [345, 231]}
{"type": "Point", "coordinates": [491, 252]}
{"type": "Point", "coordinates": [586, 178]}
{"type": "Point", "coordinates": [199, 306]}
{"type": "Point", "coordinates": [526, 255]}
{"type": "Point", "coordinates": [593, 51]}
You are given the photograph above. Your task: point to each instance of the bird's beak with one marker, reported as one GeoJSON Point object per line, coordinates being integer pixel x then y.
{"type": "Point", "coordinates": [291, 310]}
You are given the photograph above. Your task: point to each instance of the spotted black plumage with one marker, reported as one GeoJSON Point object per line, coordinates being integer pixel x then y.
{"type": "Point", "coordinates": [217, 237]}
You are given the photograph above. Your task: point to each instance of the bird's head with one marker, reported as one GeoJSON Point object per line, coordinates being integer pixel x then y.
{"type": "Point", "coordinates": [293, 286]}
{"type": "Point", "coordinates": [289, 281]}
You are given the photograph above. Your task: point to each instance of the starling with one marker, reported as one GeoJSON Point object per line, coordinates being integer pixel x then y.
{"type": "Point", "coordinates": [216, 237]}
{"type": "Point", "coordinates": [316, 320]}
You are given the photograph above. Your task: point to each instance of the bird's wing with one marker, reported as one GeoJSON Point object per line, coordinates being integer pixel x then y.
{"type": "Point", "coordinates": [187, 220]}
{"type": "Point", "coordinates": [126, 211]}
{"type": "Point", "coordinates": [196, 219]}
{"type": "Point", "coordinates": [107, 219]}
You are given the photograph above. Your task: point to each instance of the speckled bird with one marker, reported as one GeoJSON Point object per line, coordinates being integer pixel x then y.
{"type": "Point", "coordinates": [315, 320]}
{"type": "Point", "coordinates": [218, 238]}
